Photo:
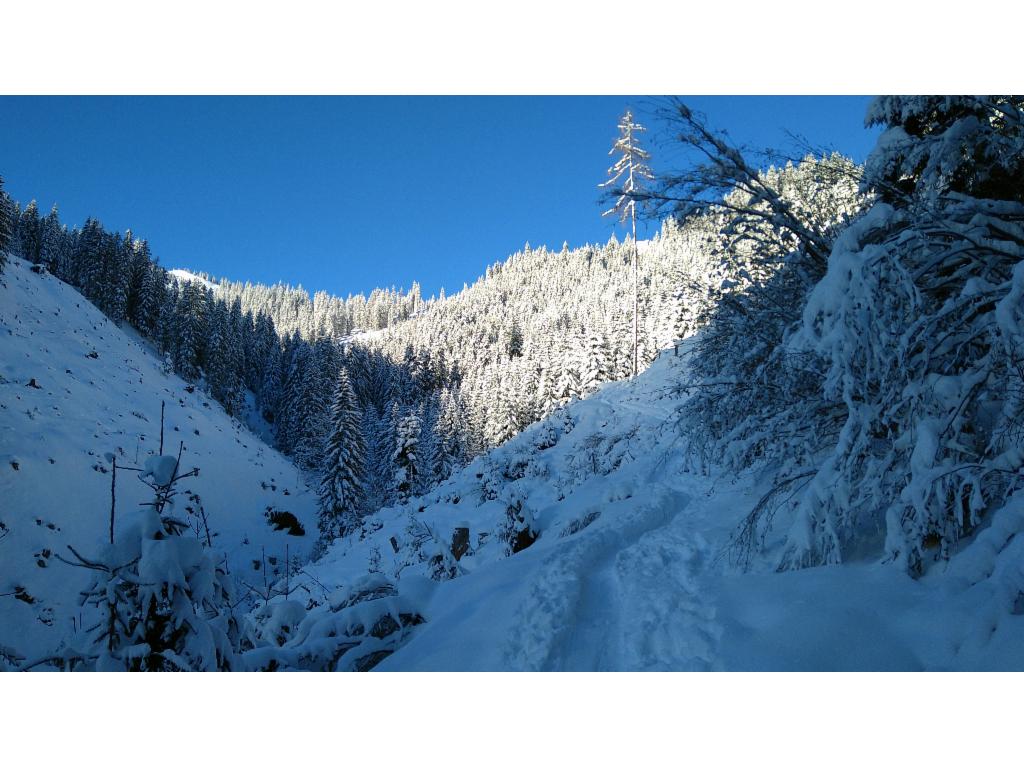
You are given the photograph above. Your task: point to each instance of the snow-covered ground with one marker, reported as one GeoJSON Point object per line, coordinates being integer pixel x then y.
{"type": "Point", "coordinates": [360, 336]}
{"type": "Point", "coordinates": [629, 571]}
{"type": "Point", "coordinates": [185, 276]}
{"type": "Point", "coordinates": [75, 387]}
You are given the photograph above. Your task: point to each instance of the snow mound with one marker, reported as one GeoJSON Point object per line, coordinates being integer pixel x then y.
{"type": "Point", "coordinates": [159, 469]}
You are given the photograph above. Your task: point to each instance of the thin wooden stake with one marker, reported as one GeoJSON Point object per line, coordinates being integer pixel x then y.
{"type": "Point", "coordinates": [162, 404]}
{"type": "Point", "coordinates": [113, 488]}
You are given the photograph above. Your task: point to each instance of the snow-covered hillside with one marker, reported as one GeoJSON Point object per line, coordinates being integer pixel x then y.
{"type": "Point", "coordinates": [185, 276]}
{"type": "Point", "coordinates": [73, 388]}
{"type": "Point", "coordinates": [630, 569]}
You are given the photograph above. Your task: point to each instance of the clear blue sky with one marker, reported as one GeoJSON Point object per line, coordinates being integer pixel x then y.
{"type": "Point", "coordinates": [346, 194]}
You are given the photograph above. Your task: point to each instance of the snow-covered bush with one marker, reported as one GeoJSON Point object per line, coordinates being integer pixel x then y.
{"type": "Point", "coordinates": [872, 362]}
{"type": "Point", "coordinates": [353, 630]}
{"type": "Point", "coordinates": [920, 321]}
{"type": "Point", "coordinates": [892, 410]}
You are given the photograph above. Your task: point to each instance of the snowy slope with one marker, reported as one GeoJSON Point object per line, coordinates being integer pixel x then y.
{"type": "Point", "coordinates": [645, 585]}
{"type": "Point", "coordinates": [98, 390]}
{"type": "Point", "coordinates": [185, 276]}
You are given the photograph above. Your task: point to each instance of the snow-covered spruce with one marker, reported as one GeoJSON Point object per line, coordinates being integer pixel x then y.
{"type": "Point", "coordinates": [406, 457]}
{"type": "Point", "coordinates": [6, 224]}
{"type": "Point", "coordinates": [341, 489]}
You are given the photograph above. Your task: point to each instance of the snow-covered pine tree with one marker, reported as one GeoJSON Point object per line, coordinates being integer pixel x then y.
{"type": "Point", "coordinates": [30, 233]}
{"type": "Point", "coordinates": [140, 282]}
{"type": "Point", "coordinates": [474, 417]}
{"type": "Point", "coordinates": [159, 601]}
{"type": "Point", "coordinates": [154, 298]}
{"type": "Point", "coordinates": [52, 239]}
{"type": "Point", "coordinates": [449, 443]}
{"type": "Point", "coordinates": [376, 438]}
{"type": "Point", "coordinates": [222, 380]}
{"type": "Point", "coordinates": [428, 412]}
{"type": "Point", "coordinates": [112, 289]}
{"type": "Point", "coordinates": [595, 370]}
{"type": "Point", "coordinates": [342, 492]}
{"type": "Point", "coordinates": [568, 385]}
{"type": "Point", "coordinates": [87, 272]}
{"type": "Point", "coordinates": [406, 458]}
{"type": "Point", "coordinates": [514, 343]}
{"type": "Point", "coordinates": [271, 385]}
{"type": "Point", "coordinates": [294, 358]}
{"type": "Point", "coordinates": [628, 175]}
{"type": "Point", "coordinates": [235, 334]}
{"type": "Point", "coordinates": [545, 385]}
{"type": "Point", "coordinates": [619, 346]}
{"type": "Point", "coordinates": [190, 331]}
{"type": "Point", "coordinates": [312, 404]}
{"type": "Point", "coordinates": [6, 224]}
{"type": "Point", "coordinates": [166, 331]}
{"type": "Point", "coordinates": [503, 419]}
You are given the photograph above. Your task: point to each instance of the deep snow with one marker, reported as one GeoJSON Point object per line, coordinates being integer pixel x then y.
{"type": "Point", "coordinates": [97, 391]}
{"type": "Point", "coordinates": [630, 570]}
{"type": "Point", "coordinates": [648, 584]}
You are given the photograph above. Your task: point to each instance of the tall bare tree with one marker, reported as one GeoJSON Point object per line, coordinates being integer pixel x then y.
{"type": "Point", "coordinates": [626, 180]}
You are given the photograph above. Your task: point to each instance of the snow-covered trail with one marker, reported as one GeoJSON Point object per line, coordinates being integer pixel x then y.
{"type": "Point", "coordinates": [567, 620]}
{"type": "Point", "coordinates": [633, 595]}
{"type": "Point", "coordinates": [640, 606]}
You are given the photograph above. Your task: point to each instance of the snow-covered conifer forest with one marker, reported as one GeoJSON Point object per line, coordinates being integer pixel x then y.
{"type": "Point", "coordinates": [818, 463]}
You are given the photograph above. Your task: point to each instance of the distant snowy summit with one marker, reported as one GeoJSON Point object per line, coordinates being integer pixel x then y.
{"type": "Point", "coordinates": [184, 276]}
